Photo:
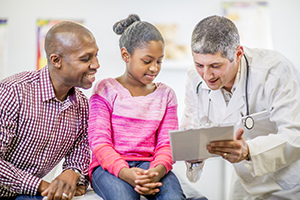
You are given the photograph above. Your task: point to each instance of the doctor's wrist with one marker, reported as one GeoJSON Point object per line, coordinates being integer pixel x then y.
{"type": "Point", "coordinates": [247, 156]}
{"type": "Point", "coordinates": [193, 164]}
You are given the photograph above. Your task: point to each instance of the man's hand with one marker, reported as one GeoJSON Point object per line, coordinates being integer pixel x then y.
{"type": "Point", "coordinates": [80, 190]}
{"type": "Point", "coordinates": [233, 151]}
{"type": "Point", "coordinates": [62, 187]}
{"type": "Point", "coordinates": [43, 186]}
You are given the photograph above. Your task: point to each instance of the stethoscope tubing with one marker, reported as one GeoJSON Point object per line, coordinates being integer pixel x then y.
{"type": "Point", "coordinates": [248, 122]}
{"type": "Point", "coordinates": [246, 86]}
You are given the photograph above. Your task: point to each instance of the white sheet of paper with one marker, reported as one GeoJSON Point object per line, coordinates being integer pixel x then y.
{"type": "Point", "coordinates": [191, 144]}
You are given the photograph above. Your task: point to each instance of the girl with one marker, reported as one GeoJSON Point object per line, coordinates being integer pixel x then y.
{"type": "Point", "coordinates": [130, 117]}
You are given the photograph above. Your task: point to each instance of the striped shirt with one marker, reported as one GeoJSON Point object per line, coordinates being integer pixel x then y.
{"type": "Point", "coordinates": [125, 128]}
{"type": "Point", "coordinates": [37, 131]}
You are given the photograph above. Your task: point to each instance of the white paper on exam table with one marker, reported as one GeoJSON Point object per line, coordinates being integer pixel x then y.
{"type": "Point", "coordinates": [191, 144]}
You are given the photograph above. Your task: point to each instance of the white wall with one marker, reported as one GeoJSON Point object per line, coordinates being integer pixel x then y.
{"type": "Point", "coordinates": [100, 15]}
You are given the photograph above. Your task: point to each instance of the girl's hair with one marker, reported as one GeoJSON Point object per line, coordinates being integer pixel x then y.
{"type": "Point", "coordinates": [135, 33]}
{"type": "Point", "coordinates": [216, 34]}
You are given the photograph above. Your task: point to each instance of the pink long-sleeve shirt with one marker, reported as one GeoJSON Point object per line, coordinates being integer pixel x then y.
{"type": "Point", "coordinates": [125, 128]}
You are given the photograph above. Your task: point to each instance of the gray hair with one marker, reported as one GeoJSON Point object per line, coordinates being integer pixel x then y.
{"type": "Point", "coordinates": [135, 33]}
{"type": "Point", "coordinates": [216, 34]}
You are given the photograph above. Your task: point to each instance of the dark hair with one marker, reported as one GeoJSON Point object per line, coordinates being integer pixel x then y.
{"type": "Point", "coordinates": [135, 33]}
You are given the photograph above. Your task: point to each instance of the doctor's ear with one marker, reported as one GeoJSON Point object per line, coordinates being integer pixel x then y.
{"type": "Point", "coordinates": [239, 53]}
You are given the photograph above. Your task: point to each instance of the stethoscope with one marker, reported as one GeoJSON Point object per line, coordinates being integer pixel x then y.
{"type": "Point", "coordinates": [248, 120]}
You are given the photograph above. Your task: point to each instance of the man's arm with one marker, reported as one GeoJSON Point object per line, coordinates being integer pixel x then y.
{"type": "Point", "coordinates": [12, 179]}
{"type": "Point", "coordinates": [78, 157]}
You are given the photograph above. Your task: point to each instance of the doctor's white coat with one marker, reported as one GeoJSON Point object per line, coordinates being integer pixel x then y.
{"type": "Point", "coordinates": [274, 142]}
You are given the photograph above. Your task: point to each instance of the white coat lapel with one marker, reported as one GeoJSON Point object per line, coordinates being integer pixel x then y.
{"type": "Point", "coordinates": [219, 111]}
{"type": "Point", "coordinates": [217, 107]}
{"type": "Point", "coordinates": [238, 100]}
{"type": "Point", "coordinates": [217, 98]}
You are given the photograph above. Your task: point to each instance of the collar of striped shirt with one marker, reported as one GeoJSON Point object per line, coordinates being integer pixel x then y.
{"type": "Point", "coordinates": [48, 90]}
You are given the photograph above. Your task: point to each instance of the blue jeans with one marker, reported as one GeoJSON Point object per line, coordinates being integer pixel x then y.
{"type": "Point", "coordinates": [110, 187]}
{"type": "Point", "coordinates": [30, 198]}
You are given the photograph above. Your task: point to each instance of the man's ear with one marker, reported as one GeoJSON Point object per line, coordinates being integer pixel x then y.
{"type": "Point", "coordinates": [125, 54]}
{"type": "Point", "coordinates": [55, 60]}
{"type": "Point", "coordinates": [239, 53]}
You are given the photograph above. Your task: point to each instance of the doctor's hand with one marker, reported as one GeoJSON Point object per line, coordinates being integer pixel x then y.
{"type": "Point", "coordinates": [233, 151]}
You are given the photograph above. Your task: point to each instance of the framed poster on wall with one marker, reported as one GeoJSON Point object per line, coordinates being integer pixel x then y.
{"type": "Point", "coordinates": [3, 47]}
{"type": "Point", "coordinates": [253, 22]}
{"type": "Point", "coordinates": [177, 54]}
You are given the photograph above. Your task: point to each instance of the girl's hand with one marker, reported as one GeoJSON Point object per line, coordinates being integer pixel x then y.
{"type": "Point", "coordinates": [148, 182]}
{"type": "Point", "coordinates": [129, 175]}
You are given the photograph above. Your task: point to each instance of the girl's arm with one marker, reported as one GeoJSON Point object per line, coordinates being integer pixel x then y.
{"type": "Point", "coordinates": [163, 154]}
{"type": "Point", "coordinates": [100, 136]}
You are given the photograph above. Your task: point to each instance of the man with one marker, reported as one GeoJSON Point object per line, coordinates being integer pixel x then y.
{"type": "Point", "coordinates": [252, 86]}
{"type": "Point", "coordinates": [43, 118]}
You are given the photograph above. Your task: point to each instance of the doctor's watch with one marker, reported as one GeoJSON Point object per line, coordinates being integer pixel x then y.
{"type": "Point", "coordinates": [248, 157]}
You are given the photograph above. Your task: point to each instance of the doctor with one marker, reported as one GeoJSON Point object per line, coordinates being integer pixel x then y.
{"type": "Point", "coordinates": [256, 89]}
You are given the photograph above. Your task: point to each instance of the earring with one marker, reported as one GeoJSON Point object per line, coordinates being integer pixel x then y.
{"type": "Point", "coordinates": [125, 60]}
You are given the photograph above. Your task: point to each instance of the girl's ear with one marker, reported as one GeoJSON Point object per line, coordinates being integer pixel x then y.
{"type": "Point", "coordinates": [55, 60]}
{"type": "Point", "coordinates": [125, 54]}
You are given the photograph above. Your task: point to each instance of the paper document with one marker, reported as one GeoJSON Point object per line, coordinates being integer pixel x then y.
{"type": "Point", "coordinates": [191, 144]}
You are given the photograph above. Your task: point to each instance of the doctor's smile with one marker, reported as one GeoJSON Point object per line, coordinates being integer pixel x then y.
{"type": "Point", "coordinates": [211, 82]}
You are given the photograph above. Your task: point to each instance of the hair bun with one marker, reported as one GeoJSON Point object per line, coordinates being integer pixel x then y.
{"type": "Point", "coordinates": [120, 26]}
